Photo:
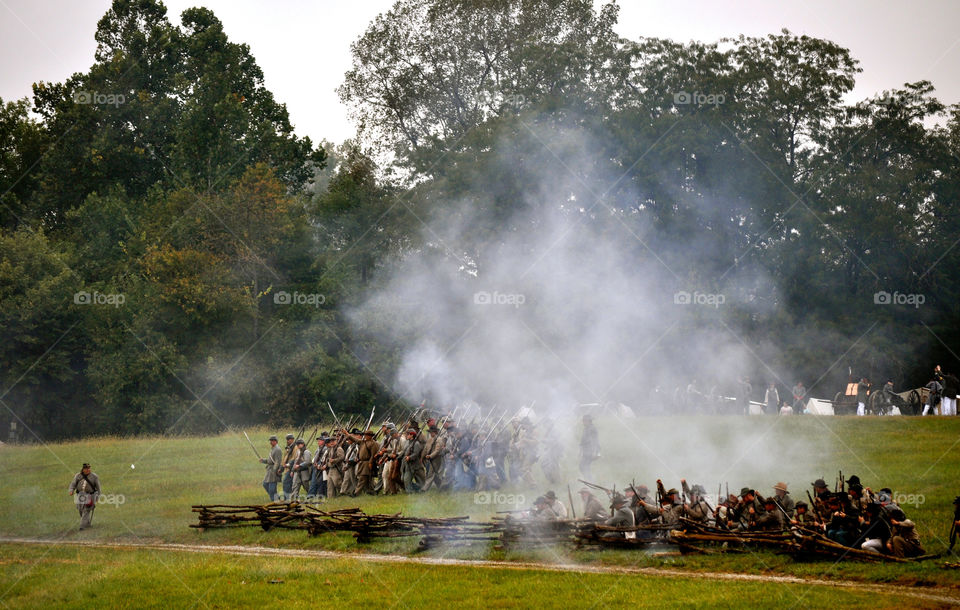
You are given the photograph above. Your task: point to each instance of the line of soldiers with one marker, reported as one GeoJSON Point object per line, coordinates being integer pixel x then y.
{"type": "Point", "coordinates": [855, 516]}
{"type": "Point", "coordinates": [410, 458]}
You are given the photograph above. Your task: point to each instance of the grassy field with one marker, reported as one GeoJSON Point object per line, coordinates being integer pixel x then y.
{"type": "Point", "coordinates": [917, 457]}
{"type": "Point", "coordinates": [90, 578]}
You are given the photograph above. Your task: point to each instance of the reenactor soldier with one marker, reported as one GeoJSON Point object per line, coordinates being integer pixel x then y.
{"type": "Point", "coordinates": [592, 509]}
{"type": "Point", "coordinates": [905, 541]}
{"type": "Point", "coordinates": [366, 454]}
{"type": "Point", "coordinates": [820, 495]}
{"type": "Point", "coordinates": [697, 509]}
{"type": "Point", "coordinates": [746, 511]}
{"type": "Point", "coordinates": [274, 465]}
{"type": "Point", "coordinates": [450, 435]}
{"type": "Point", "coordinates": [411, 466]}
{"type": "Point", "coordinates": [589, 447]}
{"type": "Point", "coordinates": [863, 392]}
{"type": "Point", "coordinates": [860, 496]}
{"type": "Point", "coordinates": [783, 499]}
{"type": "Point", "coordinates": [670, 509]}
{"type": "Point", "coordinates": [433, 457]}
{"type": "Point", "coordinates": [622, 517]}
{"type": "Point", "coordinates": [318, 485]}
{"type": "Point", "coordinates": [772, 518]}
{"type": "Point", "coordinates": [556, 505]}
{"type": "Point", "coordinates": [644, 511]}
{"type": "Point", "coordinates": [332, 468]}
{"type": "Point", "coordinates": [802, 515]}
{"type": "Point", "coordinates": [300, 467]}
{"type": "Point", "coordinates": [542, 510]}
{"type": "Point", "coordinates": [389, 453]}
{"type": "Point", "coordinates": [86, 487]}
{"type": "Point", "coordinates": [288, 455]}
{"type": "Point", "coordinates": [350, 460]}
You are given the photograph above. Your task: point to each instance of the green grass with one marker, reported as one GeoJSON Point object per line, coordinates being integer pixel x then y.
{"type": "Point", "coordinates": [87, 578]}
{"type": "Point", "coordinates": [914, 456]}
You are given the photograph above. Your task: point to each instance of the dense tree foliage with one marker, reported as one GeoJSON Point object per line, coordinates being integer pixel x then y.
{"type": "Point", "coordinates": [168, 264]}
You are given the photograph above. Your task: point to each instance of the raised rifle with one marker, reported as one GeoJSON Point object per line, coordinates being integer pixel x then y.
{"type": "Point", "coordinates": [842, 483]}
{"type": "Point", "coordinates": [595, 486]}
{"type": "Point", "coordinates": [288, 451]}
{"type": "Point", "coordinates": [251, 446]}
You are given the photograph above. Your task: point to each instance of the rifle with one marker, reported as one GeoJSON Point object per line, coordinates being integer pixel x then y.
{"type": "Point", "coordinates": [595, 486]}
{"type": "Point", "coordinates": [813, 507]}
{"type": "Point", "coordinates": [288, 451]}
{"type": "Point", "coordinates": [953, 528]}
{"type": "Point", "coordinates": [251, 445]}
{"type": "Point", "coordinates": [573, 511]}
{"type": "Point", "coordinates": [661, 494]}
{"type": "Point", "coordinates": [775, 503]}
{"type": "Point", "coordinates": [842, 483]}
{"type": "Point", "coordinates": [336, 419]}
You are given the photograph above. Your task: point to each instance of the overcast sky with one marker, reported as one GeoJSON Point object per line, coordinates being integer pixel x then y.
{"type": "Point", "coordinates": [303, 47]}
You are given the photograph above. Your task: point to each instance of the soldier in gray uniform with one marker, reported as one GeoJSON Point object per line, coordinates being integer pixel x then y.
{"type": "Point", "coordinates": [697, 508]}
{"type": "Point", "coordinates": [350, 459]}
{"type": "Point", "coordinates": [333, 467]}
{"type": "Point", "coordinates": [782, 496]}
{"type": "Point", "coordinates": [433, 458]}
{"type": "Point", "coordinates": [622, 517]}
{"type": "Point", "coordinates": [288, 454]}
{"type": "Point", "coordinates": [86, 487]}
{"type": "Point", "coordinates": [592, 509]}
{"type": "Point", "coordinates": [272, 476]}
{"type": "Point", "coordinates": [301, 470]}
{"type": "Point", "coordinates": [411, 468]}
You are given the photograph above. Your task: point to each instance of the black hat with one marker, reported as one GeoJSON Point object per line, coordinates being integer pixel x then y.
{"type": "Point", "coordinates": [819, 483]}
{"type": "Point", "coordinates": [853, 480]}
{"type": "Point", "coordinates": [801, 504]}
{"type": "Point", "coordinates": [290, 437]}
{"type": "Point", "coordinates": [85, 465]}
{"type": "Point", "coordinates": [745, 491]}
{"type": "Point", "coordinates": [617, 500]}
{"type": "Point", "coordinates": [300, 441]}
{"type": "Point", "coordinates": [550, 495]}
{"type": "Point", "coordinates": [355, 431]}
{"type": "Point", "coordinates": [273, 437]}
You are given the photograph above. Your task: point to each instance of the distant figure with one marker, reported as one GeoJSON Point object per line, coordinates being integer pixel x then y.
{"type": "Point", "coordinates": [589, 447]}
{"type": "Point", "coordinates": [951, 386]}
{"type": "Point", "coordinates": [272, 476]}
{"type": "Point", "coordinates": [786, 409]}
{"type": "Point", "coordinates": [744, 389]}
{"type": "Point", "coordinates": [771, 399]}
{"type": "Point", "coordinates": [86, 487]}
{"type": "Point", "coordinates": [936, 389]}
{"type": "Point", "coordinates": [592, 509]}
{"type": "Point", "coordinates": [863, 390]}
{"type": "Point", "coordinates": [799, 397]}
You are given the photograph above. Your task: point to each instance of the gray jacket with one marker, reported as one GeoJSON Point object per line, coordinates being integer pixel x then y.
{"type": "Point", "coordinates": [86, 490]}
{"type": "Point", "coordinates": [273, 465]}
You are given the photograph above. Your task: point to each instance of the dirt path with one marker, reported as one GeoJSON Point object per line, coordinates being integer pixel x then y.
{"type": "Point", "coordinates": [940, 595]}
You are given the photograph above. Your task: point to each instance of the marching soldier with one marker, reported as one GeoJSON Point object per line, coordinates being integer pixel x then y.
{"type": "Point", "coordinates": [350, 461]}
{"type": "Point", "coordinates": [367, 449]}
{"type": "Point", "coordinates": [411, 465]}
{"type": "Point", "coordinates": [389, 452]}
{"type": "Point", "coordinates": [332, 468]}
{"type": "Point", "coordinates": [288, 456]}
{"type": "Point", "coordinates": [433, 457]}
{"type": "Point", "coordinates": [318, 485]}
{"type": "Point", "coordinates": [274, 465]}
{"type": "Point", "coordinates": [86, 487]}
{"type": "Point", "coordinates": [300, 467]}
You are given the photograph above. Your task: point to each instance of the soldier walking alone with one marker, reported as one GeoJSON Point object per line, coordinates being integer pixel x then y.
{"type": "Point", "coordinates": [274, 466]}
{"type": "Point", "coordinates": [86, 487]}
